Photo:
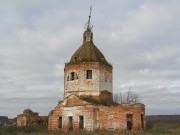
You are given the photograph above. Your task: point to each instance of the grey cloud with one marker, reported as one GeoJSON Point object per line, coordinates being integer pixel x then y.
{"type": "Point", "coordinates": [140, 38]}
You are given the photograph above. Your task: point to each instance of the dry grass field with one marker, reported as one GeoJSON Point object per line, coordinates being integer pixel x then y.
{"type": "Point", "coordinates": [156, 129]}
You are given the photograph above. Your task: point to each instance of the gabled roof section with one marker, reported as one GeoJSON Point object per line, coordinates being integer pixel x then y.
{"type": "Point", "coordinates": [74, 100]}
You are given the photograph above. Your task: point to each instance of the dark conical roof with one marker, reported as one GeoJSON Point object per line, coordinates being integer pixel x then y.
{"type": "Point", "coordinates": [88, 52]}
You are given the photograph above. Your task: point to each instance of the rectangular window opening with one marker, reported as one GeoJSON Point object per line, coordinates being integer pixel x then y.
{"type": "Point", "coordinates": [60, 122]}
{"type": "Point", "coordinates": [81, 122]}
{"type": "Point", "coordinates": [89, 74]}
{"type": "Point", "coordinates": [72, 76]}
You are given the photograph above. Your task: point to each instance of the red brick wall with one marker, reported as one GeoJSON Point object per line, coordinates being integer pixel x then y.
{"type": "Point", "coordinates": [21, 121]}
{"type": "Point", "coordinates": [75, 112]}
{"type": "Point", "coordinates": [114, 117]}
{"type": "Point", "coordinates": [97, 117]}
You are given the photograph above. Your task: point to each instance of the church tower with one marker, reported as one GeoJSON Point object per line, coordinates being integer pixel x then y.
{"type": "Point", "coordinates": [88, 95]}
{"type": "Point", "coordinates": [88, 73]}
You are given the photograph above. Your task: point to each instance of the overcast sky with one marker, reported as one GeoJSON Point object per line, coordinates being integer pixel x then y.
{"type": "Point", "coordinates": [141, 38]}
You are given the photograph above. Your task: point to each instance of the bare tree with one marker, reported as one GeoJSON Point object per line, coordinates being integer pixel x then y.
{"type": "Point", "coordinates": [132, 98]}
{"type": "Point", "coordinates": [128, 97]}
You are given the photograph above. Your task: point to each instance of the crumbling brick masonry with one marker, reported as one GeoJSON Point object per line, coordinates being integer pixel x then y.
{"type": "Point", "coordinates": [88, 95]}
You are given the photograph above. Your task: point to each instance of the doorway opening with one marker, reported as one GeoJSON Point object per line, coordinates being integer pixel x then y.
{"type": "Point", "coordinates": [129, 121]}
{"type": "Point", "coordinates": [70, 123]}
{"type": "Point", "coordinates": [142, 121]}
{"type": "Point", "coordinates": [81, 122]}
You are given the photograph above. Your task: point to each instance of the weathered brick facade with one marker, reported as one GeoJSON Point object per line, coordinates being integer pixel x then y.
{"type": "Point", "coordinates": [95, 116]}
{"type": "Point", "coordinates": [101, 79]}
{"type": "Point", "coordinates": [29, 118]}
{"type": "Point", "coordinates": [88, 95]}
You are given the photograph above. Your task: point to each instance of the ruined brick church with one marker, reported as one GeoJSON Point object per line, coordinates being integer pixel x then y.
{"type": "Point", "coordinates": [88, 95]}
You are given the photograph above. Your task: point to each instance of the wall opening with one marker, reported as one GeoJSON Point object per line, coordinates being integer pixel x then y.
{"type": "Point", "coordinates": [60, 122]}
{"type": "Point", "coordinates": [70, 123]}
{"type": "Point", "coordinates": [89, 74]}
{"type": "Point", "coordinates": [72, 77]}
{"type": "Point", "coordinates": [81, 122]}
{"type": "Point", "coordinates": [142, 121]}
{"type": "Point", "coordinates": [129, 121]}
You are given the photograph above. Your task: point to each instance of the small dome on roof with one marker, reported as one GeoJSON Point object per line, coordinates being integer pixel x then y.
{"type": "Point", "coordinates": [88, 52]}
{"type": "Point", "coordinates": [27, 111]}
